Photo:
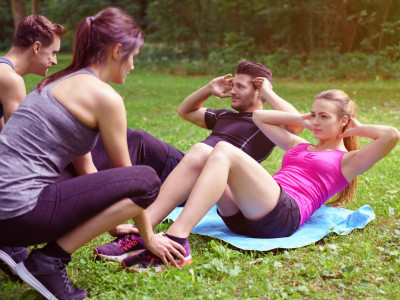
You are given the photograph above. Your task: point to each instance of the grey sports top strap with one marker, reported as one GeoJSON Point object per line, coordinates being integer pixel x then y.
{"type": "Point", "coordinates": [4, 60]}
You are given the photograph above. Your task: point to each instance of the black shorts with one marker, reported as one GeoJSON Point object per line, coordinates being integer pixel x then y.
{"type": "Point", "coordinates": [282, 221]}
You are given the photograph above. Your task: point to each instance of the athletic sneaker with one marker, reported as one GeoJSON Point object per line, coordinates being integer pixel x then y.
{"type": "Point", "coordinates": [121, 248]}
{"type": "Point", "coordinates": [48, 276]}
{"type": "Point", "coordinates": [9, 257]}
{"type": "Point", "coordinates": [145, 261]}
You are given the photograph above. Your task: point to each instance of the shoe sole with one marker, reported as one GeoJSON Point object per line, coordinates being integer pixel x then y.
{"type": "Point", "coordinates": [118, 258]}
{"type": "Point", "coordinates": [33, 282]}
{"type": "Point", "coordinates": [186, 261]}
{"type": "Point", "coordinates": [9, 261]}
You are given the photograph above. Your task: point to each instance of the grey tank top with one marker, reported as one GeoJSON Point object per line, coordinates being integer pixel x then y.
{"type": "Point", "coordinates": [40, 139]}
{"type": "Point", "coordinates": [8, 62]}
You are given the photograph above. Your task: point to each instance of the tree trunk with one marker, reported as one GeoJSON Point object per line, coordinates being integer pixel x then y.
{"type": "Point", "coordinates": [35, 7]}
{"type": "Point", "coordinates": [310, 32]}
{"type": "Point", "coordinates": [18, 11]}
{"type": "Point", "coordinates": [386, 5]}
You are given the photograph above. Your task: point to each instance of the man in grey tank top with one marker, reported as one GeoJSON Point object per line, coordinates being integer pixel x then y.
{"type": "Point", "coordinates": [35, 46]}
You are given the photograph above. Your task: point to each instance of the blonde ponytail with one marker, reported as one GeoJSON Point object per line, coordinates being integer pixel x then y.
{"type": "Point", "coordinates": [346, 107]}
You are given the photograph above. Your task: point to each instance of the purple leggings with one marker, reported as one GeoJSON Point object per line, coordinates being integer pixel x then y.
{"type": "Point", "coordinates": [144, 149]}
{"type": "Point", "coordinates": [64, 205]}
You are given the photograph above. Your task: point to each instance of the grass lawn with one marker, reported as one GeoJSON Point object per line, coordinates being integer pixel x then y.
{"type": "Point", "coordinates": [362, 264]}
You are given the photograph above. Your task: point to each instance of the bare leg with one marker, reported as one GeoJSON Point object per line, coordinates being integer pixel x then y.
{"type": "Point", "coordinates": [102, 222]}
{"type": "Point", "coordinates": [255, 191]}
{"type": "Point", "coordinates": [179, 183]}
{"type": "Point", "coordinates": [227, 205]}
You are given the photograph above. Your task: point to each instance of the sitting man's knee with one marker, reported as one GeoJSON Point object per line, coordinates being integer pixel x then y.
{"type": "Point", "coordinates": [223, 146]}
{"type": "Point", "coordinates": [197, 156]}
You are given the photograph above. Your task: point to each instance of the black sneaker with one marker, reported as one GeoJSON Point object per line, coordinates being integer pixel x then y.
{"type": "Point", "coordinates": [48, 276]}
{"type": "Point", "coordinates": [9, 257]}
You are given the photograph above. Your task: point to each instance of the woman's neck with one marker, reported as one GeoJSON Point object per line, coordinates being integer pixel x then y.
{"type": "Point", "coordinates": [330, 144]}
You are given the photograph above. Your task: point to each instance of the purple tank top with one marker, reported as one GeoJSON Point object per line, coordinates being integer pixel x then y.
{"type": "Point", "coordinates": [311, 177]}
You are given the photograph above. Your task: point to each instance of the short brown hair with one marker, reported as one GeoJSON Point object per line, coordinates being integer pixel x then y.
{"type": "Point", "coordinates": [254, 69]}
{"type": "Point", "coordinates": [36, 28]}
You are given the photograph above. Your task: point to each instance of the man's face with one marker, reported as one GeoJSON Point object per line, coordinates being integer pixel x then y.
{"type": "Point", "coordinates": [244, 94]}
{"type": "Point", "coordinates": [46, 57]}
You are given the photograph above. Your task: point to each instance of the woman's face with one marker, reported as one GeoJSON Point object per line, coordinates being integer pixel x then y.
{"type": "Point", "coordinates": [324, 119]}
{"type": "Point", "coordinates": [125, 66]}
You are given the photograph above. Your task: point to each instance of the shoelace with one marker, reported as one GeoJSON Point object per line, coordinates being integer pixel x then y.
{"type": "Point", "coordinates": [64, 275]}
{"type": "Point", "coordinates": [128, 241]}
{"type": "Point", "coordinates": [154, 260]}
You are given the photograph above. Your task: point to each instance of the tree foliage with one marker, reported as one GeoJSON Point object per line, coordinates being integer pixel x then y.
{"type": "Point", "coordinates": [220, 30]}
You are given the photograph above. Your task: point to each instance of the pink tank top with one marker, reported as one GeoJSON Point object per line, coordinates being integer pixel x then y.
{"type": "Point", "coordinates": [311, 177]}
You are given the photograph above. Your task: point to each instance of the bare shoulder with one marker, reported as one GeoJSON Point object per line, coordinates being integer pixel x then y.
{"type": "Point", "coordinates": [351, 165]}
{"type": "Point", "coordinates": [10, 79]}
{"type": "Point", "coordinates": [88, 88]}
{"type": "Point", "coordinates": [12, 87]}
{"type": "Point", "coordinates": [349, 156]}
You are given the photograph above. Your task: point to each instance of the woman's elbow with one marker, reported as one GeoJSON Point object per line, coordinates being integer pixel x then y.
{"type": "Point", "coordinates": [395, 134]}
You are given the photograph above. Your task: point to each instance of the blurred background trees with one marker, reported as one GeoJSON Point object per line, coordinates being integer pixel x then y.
{"type": "Point", "coordinates": [296, 38]}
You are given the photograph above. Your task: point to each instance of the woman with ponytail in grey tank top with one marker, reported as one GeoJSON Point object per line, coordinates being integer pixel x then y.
{"type": "Point", "coordinates": [59, 122]}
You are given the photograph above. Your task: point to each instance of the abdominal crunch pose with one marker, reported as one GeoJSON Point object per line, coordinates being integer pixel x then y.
{"type": "Point", "coordinates": [265, 206]}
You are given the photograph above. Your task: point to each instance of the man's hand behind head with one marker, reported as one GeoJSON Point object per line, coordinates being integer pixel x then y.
{"type": "Point", "coordinates": [220, 86]}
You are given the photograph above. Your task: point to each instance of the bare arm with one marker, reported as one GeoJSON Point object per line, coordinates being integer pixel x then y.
{"type": "Point", "coordinates": [158, 244]}
{"type": "Point", "coordinates": [191, 108]}
{"type": "Point", "coordinates": [111, 120]}
{"type": "Point", "coordinates": [84, 164]}
{"type": "Point", "coordinates": [384, 139]}
{"type": "Point", "coordinates": [270, 122]}
{"type": "Point", "coordinates": [277, 103]}
{"type": "Point", "coordinates": [12, 93]}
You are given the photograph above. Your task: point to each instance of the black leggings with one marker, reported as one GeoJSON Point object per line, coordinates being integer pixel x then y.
{"type": "Point", "coordinates": [144, 149]}
{"type": "Point", "coordinates": [64, 205]}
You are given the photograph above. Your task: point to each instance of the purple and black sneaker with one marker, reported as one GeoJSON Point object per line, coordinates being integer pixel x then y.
{"type": "Point", "coordinates": [47, 275]}
{"type": "Point", "coordinates": [145, 261]}
{"type": "Point", "coordinates": [121, 248]}
{"type": "Point", "coordinates": [9, 257]}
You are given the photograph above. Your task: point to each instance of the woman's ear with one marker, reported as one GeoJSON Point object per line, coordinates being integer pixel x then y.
{"type": "Point", "coordinates": [117, 51]}
{"type": "Point", "coordinates": [345, 121]}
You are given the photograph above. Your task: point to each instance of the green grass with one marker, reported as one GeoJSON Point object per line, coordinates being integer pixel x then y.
{"type": "Point", "coordinates": [362, 264]}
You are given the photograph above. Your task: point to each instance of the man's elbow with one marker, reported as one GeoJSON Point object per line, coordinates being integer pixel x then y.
{"type": "Point", "coordinates": [256, 117]}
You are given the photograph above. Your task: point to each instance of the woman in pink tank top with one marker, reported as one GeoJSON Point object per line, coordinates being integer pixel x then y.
{"type": "Point", "coordinates": [254, 203]}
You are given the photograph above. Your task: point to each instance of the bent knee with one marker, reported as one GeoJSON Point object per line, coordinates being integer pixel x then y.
{"type": "Point", "coordinates": [224, 150]}
{"type": "Point", "coordinates": [137, 135]}
{"type": "Point", "coordinates": [198, 155]}
{"type": "Point", "coordinates": [147, 185]}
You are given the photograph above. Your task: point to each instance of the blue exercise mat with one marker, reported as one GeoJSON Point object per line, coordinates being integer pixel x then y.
{"type": "Point", "coordinates": [324, 221]}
